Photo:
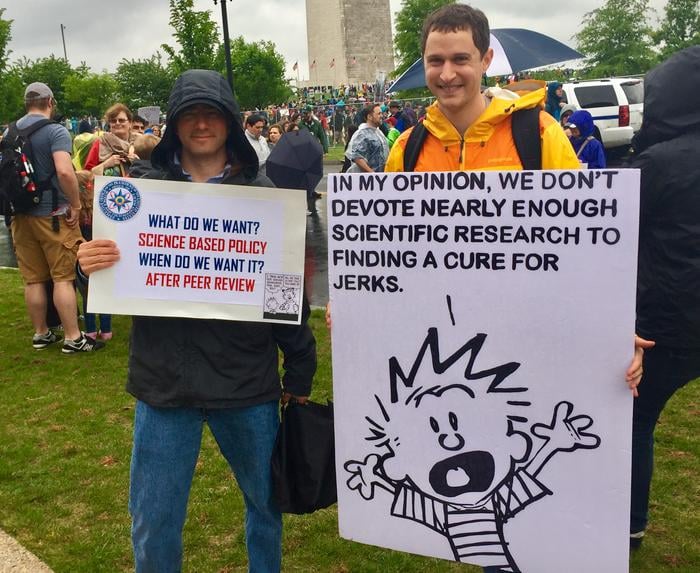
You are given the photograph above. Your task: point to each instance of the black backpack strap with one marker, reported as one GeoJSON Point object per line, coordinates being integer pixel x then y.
{"type": "Point", "coordinates": [525, 127]}
{"type": "Point", "coordinates": [27, 132]}
{"type": "Point", "coordinates": [413, 146]}
{"type": "Point", "coordinates": [44, 184]}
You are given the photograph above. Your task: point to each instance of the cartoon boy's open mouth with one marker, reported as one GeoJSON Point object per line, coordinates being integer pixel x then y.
{"type": "Point", "coordinates": [464, 473]}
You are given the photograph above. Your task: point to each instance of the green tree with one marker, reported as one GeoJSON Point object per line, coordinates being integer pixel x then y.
{"type": "Point", "coordinates": [5, 37]}
{"type": "Point", "coordinates": [616, 38]}
{"type": "Point", "coordinates": [11, 96]}
{"type": "Point", "coordinates": [409, 23]}
{"type": "Point", "coordinates": [52, 71]}
{"type": "Point", "coordinates": [258, 74]}
{"type": "Point", "coordinates": [197, 36]}
{"type": "Point", "coordinates": [12, 92]}
{"type": "Point", "coordinates": [680, 26]}
{"type": "Point", "coordinates": [88, 94]}
{"type": "Point", "coordinates": [144, 82]}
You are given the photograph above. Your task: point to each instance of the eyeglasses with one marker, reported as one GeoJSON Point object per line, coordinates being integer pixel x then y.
{"type": "Point", "coordinates": [119, 120]}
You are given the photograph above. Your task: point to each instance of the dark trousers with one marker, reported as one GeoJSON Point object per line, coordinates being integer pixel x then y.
{"type": "Point", "coordinates": [665, 371]}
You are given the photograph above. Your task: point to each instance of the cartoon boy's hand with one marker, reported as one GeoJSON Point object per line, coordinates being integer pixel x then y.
{"type": "Point", "coordinates": [566, 432]}
{"type": "Point", "coordinates": [362, 475]}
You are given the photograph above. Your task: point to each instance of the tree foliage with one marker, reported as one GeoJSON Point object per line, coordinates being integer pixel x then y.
{"type": "Point", "coordinates": [680, 26]}
{"type": "Point", "coordinates": [52, 71]}
{"type": "Point", "coordinates": [144, 82]}
{"type": "Point", "coordinates": [11, 92]}
{"type": "Point", "coordinates": [88, 94]}
{"type": "Point", "coordinates": [409, 23]}
{"type": "Point", "coordinates": [5, 37]}
{"type": "Point", "coordinates": [616, 38]}
{"type": "Point", "coordinates": [197, 37]}
{"type": "Point", "coordinates": [258, 74]}
{"type": "Point", "coordinates": [11, 96]}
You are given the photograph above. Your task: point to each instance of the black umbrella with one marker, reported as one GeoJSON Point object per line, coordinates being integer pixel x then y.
{"type": "Point", "coordinates": [296, 161]}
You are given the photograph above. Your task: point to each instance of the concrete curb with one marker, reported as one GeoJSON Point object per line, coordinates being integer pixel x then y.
{"type": "Point", "coordinates": [16, 559]}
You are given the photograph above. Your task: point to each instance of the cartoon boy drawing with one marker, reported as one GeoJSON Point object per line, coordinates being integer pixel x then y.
{"type": "Point", "coordinates": [289, 304]}
{"type": "Point", "coordinates": [271, 305]}
{"type": "Point", "coordinates": [450, 466]}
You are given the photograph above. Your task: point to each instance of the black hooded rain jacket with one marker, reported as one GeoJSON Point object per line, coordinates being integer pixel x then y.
{"type": "Point", "coordinates": [181, 362]}
{"type": "Point", "coordinates": [667, 150]}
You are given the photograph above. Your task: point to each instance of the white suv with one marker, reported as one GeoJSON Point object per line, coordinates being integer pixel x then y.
{"type": "Point", "coordinates": [616, 104]}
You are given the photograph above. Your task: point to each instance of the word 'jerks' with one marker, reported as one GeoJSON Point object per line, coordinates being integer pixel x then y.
{"type": "Point", "coordinates": [213, 244]}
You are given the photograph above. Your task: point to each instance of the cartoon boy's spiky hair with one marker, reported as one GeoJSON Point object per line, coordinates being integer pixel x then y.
{"type": "Point", "coordinates": [471, 349]}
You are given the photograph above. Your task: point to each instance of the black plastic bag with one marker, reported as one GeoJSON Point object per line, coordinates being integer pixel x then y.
{"type": "Point", "coordinates": [303, 462]}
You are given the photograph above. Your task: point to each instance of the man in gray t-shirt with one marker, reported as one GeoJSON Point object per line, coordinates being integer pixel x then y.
{"type": "Point", "coordinates": [43, 252]}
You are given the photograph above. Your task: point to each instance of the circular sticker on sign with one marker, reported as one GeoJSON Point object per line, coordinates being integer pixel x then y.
{"type": "Point", "coordinates": [120, 200]}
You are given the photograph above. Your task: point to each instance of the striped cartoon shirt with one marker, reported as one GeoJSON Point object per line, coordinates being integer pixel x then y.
{"type": "Point", "coordinates": [475, 533]}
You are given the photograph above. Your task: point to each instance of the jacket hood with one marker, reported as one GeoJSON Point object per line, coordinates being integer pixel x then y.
{"type": "Point", "coordinates": [569, 107]}
{"type": "Point", "coordinates": [583, 121]}
{"type": "Point", "coordinates": [502, 103]}
{"type": "Point", "coordinates": [552, 88]}
{"type": "Point", "coordinates": [209, 88]}
{"type": "Point", "coordinates": [667, 116]}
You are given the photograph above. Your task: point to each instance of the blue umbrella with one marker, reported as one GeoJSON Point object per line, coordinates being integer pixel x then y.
{"type": "Point", "coordinates": [514, 50]}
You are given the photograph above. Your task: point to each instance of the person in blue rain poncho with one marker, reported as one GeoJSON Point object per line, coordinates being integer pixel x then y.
{"type": "Point", "coordinates": [588, 149]}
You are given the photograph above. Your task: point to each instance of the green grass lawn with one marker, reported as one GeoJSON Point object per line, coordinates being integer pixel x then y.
{"type": "Point", "coordinates": [335, 153]}
{"type": "Point", "coordinates": [65, 427]}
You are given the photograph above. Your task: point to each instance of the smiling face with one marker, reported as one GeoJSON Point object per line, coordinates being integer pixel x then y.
{"type": "Point", "coordinates": [454, 447]}
{"type": "Point", "coordinates": [120, 125]}
{"type": "Point", "coordinates": [202, 130]}
{"type": "Point", "coordinates": [453, 70]}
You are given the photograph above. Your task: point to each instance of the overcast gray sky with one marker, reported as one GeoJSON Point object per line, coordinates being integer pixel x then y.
{"type": "Point", "coordinates": [101, 33]}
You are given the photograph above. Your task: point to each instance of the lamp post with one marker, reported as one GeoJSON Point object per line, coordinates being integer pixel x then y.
{"type": "Point", "coordinates": [63, 37]}
{"type": "Point", "coordinates": [227, 45]}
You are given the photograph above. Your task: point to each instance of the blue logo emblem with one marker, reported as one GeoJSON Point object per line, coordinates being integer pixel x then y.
{"type": "Point", "coordinates": [120, 200]}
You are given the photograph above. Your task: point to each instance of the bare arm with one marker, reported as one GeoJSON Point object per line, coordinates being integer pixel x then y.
{"type": "Point", "coordinates": [69, 184]}
{"type": "Point", "coordinates": [362, 164]}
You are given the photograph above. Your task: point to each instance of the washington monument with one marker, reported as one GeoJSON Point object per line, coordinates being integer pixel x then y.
{"type": "Point", "coordinates": [349, 41]}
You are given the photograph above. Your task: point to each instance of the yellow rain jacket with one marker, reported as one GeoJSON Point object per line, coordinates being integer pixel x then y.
{"type": "Point", "coordinates": [488, 143]}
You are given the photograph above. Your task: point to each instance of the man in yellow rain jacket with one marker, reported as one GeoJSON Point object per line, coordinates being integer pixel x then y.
{"type": "Point", "coordinates": [468, 129]}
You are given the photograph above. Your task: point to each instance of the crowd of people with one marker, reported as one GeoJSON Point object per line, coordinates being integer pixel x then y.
{"type": "Point", "coordinates": [228, 377]}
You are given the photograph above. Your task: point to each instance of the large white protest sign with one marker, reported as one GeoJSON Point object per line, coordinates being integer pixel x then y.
{"type": "Point", "coordinates": [482, 326]}
{"type": "Point", "coordinates": [200, 250]}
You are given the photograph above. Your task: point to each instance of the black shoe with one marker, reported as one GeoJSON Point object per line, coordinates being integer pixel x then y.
{"type": "Point", "coordinates": [41, 341]}
{"type": "Point", "coordinates": [317, 195]}
{"type": "Point", "coordinates": [83, 344]}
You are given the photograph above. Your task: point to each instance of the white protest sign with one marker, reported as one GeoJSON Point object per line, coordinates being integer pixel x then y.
{"type": "Point", "coordinates": [200, 250]}
{"type": "Point", "coordinates": [482, 326]}
{"type": "Point", "coordinates": [151, 114]}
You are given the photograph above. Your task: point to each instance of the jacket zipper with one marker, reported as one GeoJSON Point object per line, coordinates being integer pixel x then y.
{"type": "Point", "coordinates": [461, 150]}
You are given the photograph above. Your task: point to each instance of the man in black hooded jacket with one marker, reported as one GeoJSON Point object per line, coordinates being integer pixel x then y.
{"type": "Point", "coordinates": [668, 282]}
{"type": "Point", "coordinates": [184, 372]}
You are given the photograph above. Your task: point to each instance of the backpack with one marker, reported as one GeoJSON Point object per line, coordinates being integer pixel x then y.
{"type": "Point", "coordinates": [525, 126]}
{"type": "Point", "coordinates": [20, 190]}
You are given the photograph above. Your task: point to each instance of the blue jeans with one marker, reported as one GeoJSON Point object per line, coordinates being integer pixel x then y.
{"type": "Point", "coordinates": [665, 371]}
{"type": "Point", "coordinates": [91, 321]}
{"type": "Point", "coordinates": [166, 447]}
